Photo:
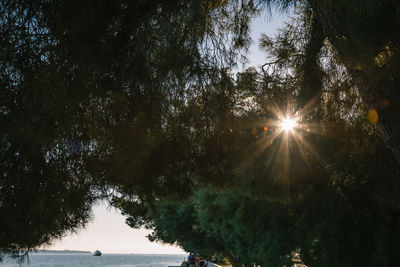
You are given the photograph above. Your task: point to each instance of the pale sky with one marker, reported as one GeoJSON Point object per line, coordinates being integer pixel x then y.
{"type": "Point", "coordinates": [108, 231]}
{"type": "Point", "coordinates": [263, 25]}
{"type": "Point", "coordinates": [109, 234]}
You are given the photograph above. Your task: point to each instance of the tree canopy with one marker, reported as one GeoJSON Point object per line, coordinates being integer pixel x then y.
{"type": "Point", "coordinates": [135, 102]}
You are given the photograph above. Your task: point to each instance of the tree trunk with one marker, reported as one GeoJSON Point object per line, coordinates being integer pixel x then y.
{"type": "Point", "coordinates": [359, 34]}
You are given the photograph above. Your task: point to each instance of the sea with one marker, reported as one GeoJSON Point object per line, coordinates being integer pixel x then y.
{"type": "Point", "coordinates": [109, 260]}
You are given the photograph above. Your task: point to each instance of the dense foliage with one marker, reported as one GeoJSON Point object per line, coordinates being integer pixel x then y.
{"type": "Point", "coordinates": [327, 190]}
{"type": "Point", "coordinates": [134, 102]}
{"type": "Point", "coordinates": [92, 94]}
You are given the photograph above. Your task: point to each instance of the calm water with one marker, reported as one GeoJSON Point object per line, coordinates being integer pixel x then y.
{"type": "Point", "coordinates": [110, 260]}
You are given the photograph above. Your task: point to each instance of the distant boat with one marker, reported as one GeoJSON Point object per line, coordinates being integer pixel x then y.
{"type": "Point", "coordinates": [97, 253]}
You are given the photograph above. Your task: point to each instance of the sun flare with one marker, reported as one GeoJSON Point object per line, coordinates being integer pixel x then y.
{"type": "Point", "coordinates": [288, 124]}
{"type": "Point", "coordinates": [285, 134]}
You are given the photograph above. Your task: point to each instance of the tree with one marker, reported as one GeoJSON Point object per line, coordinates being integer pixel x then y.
{"type": "Point", "coordinates": [93, 102]}
{"type": "Point", "coordinates": [364, 34]}
{"type": "Point", "coordinates": [373, 65]}
{"type": "Point", "coordinates": [133, 102]}
{"type": "Point", "coordinates": [326, 205]}
{"type": "Point", "coordinates": [324, 197]}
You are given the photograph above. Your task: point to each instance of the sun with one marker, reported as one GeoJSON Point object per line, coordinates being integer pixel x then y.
{"type": "Point", "coordinates": [288, 124]}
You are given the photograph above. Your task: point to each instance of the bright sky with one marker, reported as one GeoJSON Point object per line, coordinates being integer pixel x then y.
{"type": "Point", "coordinates": [108, 231]}
{"type": "Point", "coordinates": [109, 234]}
{"type": "Point", "coordinates": [264, 24]}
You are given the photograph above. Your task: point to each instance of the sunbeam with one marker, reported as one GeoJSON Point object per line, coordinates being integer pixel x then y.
{"type": "Point", "coordinates": [285, 132]}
